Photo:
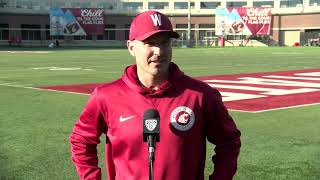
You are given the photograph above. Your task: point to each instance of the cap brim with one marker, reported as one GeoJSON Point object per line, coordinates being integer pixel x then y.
{"type": "Point", "coordinates": [172, 34]}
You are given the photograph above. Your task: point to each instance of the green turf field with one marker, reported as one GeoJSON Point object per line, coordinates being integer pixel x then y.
{"type": "Point", "coordinates": [35, 125]}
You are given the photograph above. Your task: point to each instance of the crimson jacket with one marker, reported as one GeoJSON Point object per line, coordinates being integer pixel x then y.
{"type": "Point", "coordinates": [191, 112]}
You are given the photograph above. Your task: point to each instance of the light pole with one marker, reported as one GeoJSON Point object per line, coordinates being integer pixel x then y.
{"type": "Point", "coordinates": [189, 24]}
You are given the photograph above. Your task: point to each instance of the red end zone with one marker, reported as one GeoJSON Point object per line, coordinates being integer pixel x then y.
{"type": "Point", "coordinates": [252, 92]}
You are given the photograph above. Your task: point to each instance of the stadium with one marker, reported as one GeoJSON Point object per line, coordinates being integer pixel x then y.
{"type": "Point", "coordinates": [293, 21]}
{"type": "Point", "coordinates": [269, 78]}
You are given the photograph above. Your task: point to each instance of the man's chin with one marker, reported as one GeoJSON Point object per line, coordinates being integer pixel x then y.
{"type": "Point", "coordinates": [160, 71]}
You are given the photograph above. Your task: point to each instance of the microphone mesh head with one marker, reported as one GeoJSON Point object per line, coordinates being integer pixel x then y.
{"type": "Point", "coordinates": [151, 114]}
{"type": "Point", "coordinates": [151, 124]}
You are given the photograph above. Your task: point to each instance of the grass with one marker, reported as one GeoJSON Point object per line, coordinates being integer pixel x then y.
{"type": "Point", "coordinates": [35, 125]}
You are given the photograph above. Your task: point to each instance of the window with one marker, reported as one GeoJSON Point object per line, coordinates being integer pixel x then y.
{"type": "Point", "coordinates": [4, 31]}
{"type": "Point", "coordinates": [236, 4]}
{"type": "Point", "coordinates": [263, 4]}
{"type": "Point", "coordinates": [57, 3]}
{"type": "Point", "coordinates": [206, 25]}
{"type": "Point", "coordinates": [24, 4]}
{"type": "Point", "coordinates": [30, 32]}
{"type": "Point", "coordinates": [209, 5]}
{"type": "Point", "coordinates": [158, 5]}
{"type": "Point", "coordinates": [126, 32]}
{"type": "Point", "coordinates": [290, 3]}
{"type": "Point", "coordinates": [80, 5]}
{"type": "Point", "coordinates": [88, 37]}
{"type": "Point", "coordinates": [183, 5]}
{"type": "Point", "coordinates": [109, 34]}
{"type": "Point", "coordinates": [183, 26]}
{"type": "Point", "coordinates": [206, 33]}
{"type": "Point", "coordinates": [180, 5]}
{"type": "Point", "coordinates": [75, 4]}
{"type": "Point", "coordinates": [85, 5]}
{"type": "Point", "coordinates": [79, 37]}
{"type": "Point", "coordinates": [314, 2]}
{"type": "Point", "coordinates": [48, 37]}
{"type": "Point", "coordinates": [236, 37]}
{"type": "Point", "coordinates": [4, 3]}
{"type": "Point", "coordinates": [105, 5]}
{"type": "Point", "coordinates": [132, 5]}
{"type": "Point", "coordinates": [184, 33]}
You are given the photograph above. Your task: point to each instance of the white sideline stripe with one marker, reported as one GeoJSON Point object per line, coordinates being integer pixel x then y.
{"type": "Point", "coordinates": [289, 107]}
{"type": "Point", "coordinates": [27, 87]}
{"type": "Point", "coordinates": [292, 77]}
{"type": "Point", "coordinates": [61, 91]}
{"type": "Point", "coordinates": [288, 53]}
{"type": "Point", "coordinates": [9, 83]}
{"type": "Point", "coordinates": [110, 72]}
{"type": "Point", "coordinates": [114, 50]}
{"type": "Point", "coordinates": [195, 67]}
{"type": "Point", "coordinates": [37, 52]}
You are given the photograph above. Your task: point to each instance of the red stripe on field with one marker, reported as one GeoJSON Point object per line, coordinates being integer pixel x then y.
{"type": "Point", "coordinates": [279, 73]}
{"type": "Point", "coordinates": [78, 88]}
{"type": "Point", "coordinates": [275, 102]}
{"type": "Point", "coordinates": [269, 102]}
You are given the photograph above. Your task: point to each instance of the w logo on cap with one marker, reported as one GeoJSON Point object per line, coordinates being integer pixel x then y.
{"type": "Point", "coordinates": [148, 23]}
{"type": "Point", "coordinates": [156, 18]}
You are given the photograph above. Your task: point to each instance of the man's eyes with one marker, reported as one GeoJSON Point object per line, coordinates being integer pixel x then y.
{"type": "Point", "coordinates": [157, 43]}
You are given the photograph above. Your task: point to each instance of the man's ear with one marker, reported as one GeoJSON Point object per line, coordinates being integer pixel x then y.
{"type": "Point", "coordinates": [130, 45]}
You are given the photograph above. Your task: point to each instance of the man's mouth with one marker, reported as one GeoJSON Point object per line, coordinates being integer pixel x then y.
{"type": "Point", "coordinates": [157, 61]}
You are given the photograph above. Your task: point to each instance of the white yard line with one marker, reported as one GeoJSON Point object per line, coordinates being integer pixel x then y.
{"type": "Point", "coordinates": [33, 88]}
{"type": "Point", "coordinates": [19, 52]}
{"type": "Point", "coordinates": [289, 107]}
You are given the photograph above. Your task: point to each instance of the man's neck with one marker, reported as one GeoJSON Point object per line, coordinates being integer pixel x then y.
{"type": "Point", "coordinates": [149, 81]}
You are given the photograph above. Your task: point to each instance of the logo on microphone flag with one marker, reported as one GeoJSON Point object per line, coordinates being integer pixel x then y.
{"type": "Point", "coordinates": [151, 124]}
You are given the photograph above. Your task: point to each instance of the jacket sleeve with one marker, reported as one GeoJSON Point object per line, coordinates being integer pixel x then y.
{"type": "Point", "coordinates": [85, 137]}
{"type": "Point", "coordinates": [223, 133]}
{"type": "Point", "coordinates": [111, 170]}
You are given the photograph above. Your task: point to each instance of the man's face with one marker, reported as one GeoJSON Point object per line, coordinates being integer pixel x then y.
{"type": "Point", "coordinates": [153, 55]}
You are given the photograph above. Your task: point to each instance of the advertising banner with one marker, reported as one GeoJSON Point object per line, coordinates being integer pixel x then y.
{"type": "Point", "coordinates": [243, 21]}
{"type": "Point", "coordinates": [76, 21]}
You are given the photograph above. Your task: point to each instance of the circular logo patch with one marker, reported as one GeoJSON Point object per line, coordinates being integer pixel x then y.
{"type": "Point", "coordinates": [182, 118]}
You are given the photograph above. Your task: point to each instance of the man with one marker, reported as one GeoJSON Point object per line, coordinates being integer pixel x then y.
{"type": "Point", "coordinates": [191, 113]}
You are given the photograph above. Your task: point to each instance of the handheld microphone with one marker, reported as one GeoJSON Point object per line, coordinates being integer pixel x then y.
{"type": "Point", "coordinates": [151, 131]}
{"type": "Point", "coordinates": [151, 124]}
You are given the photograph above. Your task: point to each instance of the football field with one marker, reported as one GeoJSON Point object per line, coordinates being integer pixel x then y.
{"type": "Point", "coordinates": [280, 136]}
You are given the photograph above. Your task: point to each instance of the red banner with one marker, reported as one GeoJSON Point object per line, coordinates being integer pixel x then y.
{"type": "Point", "coordinates": [243, 21]}
{"type": "Point", "coordinates": [76, 21]}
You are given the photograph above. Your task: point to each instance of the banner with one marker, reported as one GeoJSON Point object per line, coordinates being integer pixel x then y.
{"type": "Point", "coordinates": [243, 21]}
{"type": "Point", "coordinates": [76, 21]}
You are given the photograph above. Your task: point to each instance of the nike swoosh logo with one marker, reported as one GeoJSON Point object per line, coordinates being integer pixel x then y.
{"type": "Point", "coordinates": [123, 119]}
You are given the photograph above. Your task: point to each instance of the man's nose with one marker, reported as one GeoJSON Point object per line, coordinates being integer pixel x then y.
{"type": "Point", "coordinates": [157, 50]}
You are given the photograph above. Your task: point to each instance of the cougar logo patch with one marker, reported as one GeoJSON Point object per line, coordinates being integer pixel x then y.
{"type": "Point", "coordinates": [182, 118]}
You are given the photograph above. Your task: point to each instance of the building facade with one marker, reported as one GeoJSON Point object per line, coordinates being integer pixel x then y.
{"type": "Point", "coordinates": [292, 20]}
